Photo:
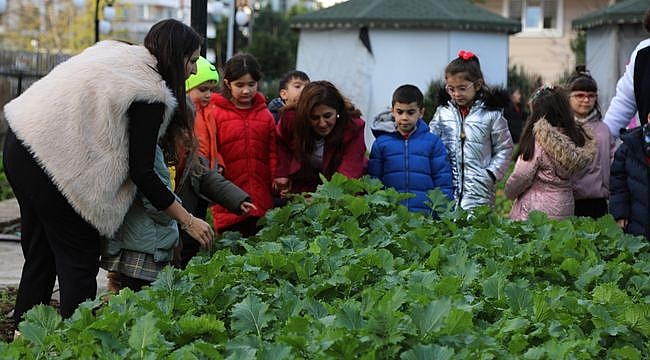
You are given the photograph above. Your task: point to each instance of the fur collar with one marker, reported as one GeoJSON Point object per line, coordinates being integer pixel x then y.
{"type": "Point", "coordinates": [561, 149]}
{"type": "Point", "coordinates": [496, 98]}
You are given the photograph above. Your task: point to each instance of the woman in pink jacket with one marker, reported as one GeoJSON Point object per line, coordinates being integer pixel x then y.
{"type": "Point", "coordinates": [553, 147]}
{"type": "Point", "coordinates": [245, 137]}
{"type": "Point", "coordinates": [322, 135]}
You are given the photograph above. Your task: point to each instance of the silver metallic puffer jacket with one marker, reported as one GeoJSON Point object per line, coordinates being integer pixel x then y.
{"type": "Point", "coordinates": [477, 144]}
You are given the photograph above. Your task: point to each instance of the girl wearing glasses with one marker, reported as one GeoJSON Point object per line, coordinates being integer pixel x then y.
{"type": "Point", "coordinates": [470, 123]}
{"type": "Point", "coordinates": [591, 186]}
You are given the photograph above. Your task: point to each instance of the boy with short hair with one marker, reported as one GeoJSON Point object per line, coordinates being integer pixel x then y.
{"type": "Point", "coordinates": [405, 155]}
{"type": "Point", "coordinates": [291, 85]}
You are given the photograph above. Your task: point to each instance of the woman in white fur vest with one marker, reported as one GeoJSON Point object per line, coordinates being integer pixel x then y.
{"type": "Point", "coordinates": [81, 141]}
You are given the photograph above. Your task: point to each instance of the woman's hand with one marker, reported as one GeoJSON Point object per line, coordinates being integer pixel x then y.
{"type": "Point", "coordinates": [200, 230]}
{"type": "Point", "coordinates": [197, 228]}
{"type": "Point", "coordinates": [622, 223]}
{"type": "Point", "coordinates": [247, 207]}
{"type": "Point", "coordinates": [282, 185]}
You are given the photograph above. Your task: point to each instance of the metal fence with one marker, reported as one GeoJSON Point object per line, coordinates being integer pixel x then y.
{"type": "Point", "coordinates": [18, 70]}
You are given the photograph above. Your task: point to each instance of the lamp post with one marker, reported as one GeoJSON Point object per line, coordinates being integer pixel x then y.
{"type": "Point", "coordinates": [104, 25]}
{"type": "Point", "coordinates": [199, 20]}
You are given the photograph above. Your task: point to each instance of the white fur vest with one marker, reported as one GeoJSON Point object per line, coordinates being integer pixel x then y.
{"type": "Point", "coordinates": [74, 122]}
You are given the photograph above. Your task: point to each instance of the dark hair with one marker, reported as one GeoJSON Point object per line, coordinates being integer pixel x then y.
{"type": "Point", "coordinates": [293, 74]}
{"type": "Point", "coordinates": [322, 93]}
{"type": "Point", "coordinates": [469, 66]}
{"type": "Point", "coordinates": [552, 104]}
{"type": "Point", "coordinates": [238, 66]}
{"type": "Point", "coordinates": [581, 80]}
{"type": "Point", "coordinates": [172, 43]}
{"type": "Point", "coordinates": [407, 94]}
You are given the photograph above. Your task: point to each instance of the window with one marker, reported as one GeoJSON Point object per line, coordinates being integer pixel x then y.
{"type": "Point", "coordinates": [537, 16]}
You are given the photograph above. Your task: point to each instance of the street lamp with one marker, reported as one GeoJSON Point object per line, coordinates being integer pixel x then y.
{"type": "Point", "coordinates": [104, 25]}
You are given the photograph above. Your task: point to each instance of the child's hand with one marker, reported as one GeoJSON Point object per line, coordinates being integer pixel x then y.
{"type": "Point", "coordinates": [282, 185]}
{"type": "Point", "coordinates": [622, 223]}
{"type": "Point", "coordinates": [247, 207]}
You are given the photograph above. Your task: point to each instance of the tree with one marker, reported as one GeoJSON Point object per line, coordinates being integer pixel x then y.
{"type": "Point", "coordinates": [56, 26]}
{"type": "Point", "coordinates": [274, 43]}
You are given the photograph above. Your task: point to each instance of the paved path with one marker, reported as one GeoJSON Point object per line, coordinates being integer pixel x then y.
{"type": "Point", "coordinates": [11, 255]}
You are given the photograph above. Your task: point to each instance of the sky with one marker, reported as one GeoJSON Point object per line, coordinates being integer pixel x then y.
{"type": "Point", "coordinates": [327, 3]}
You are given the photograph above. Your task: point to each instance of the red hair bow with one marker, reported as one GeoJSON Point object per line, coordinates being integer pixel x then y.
{"type": "Point", "coordinates": [465, 55]}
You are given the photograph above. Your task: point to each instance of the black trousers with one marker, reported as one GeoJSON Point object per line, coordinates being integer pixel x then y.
{"type": "Point", "coordinates": [593, 208]}
{"type": "Point", "coordinates": [56, 241]}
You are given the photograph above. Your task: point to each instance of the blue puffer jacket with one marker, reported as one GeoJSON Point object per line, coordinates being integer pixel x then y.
{"type": "Point", "coordinates": [414, 165]}
{"type": "Point", "coordinates": [628, 184]}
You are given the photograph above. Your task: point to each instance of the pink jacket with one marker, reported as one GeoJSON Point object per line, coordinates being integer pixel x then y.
{"type": "Point", "coordinates": [544, 182]}
{"type": "Point", "coordinates": [593, 181]}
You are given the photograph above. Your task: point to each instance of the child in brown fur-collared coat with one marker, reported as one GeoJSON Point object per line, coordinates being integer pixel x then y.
{"type": "Point", "coordinates": [553, 147]}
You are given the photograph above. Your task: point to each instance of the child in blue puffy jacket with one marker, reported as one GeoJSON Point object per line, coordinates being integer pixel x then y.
{"type": "Point", "coordinates": [405, 155]}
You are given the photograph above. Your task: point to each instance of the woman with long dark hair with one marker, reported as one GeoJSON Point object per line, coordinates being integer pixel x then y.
{"type": "Point", "coordinates": [324, 134]}
{"type": "Point", "coordinates": [81, 141]}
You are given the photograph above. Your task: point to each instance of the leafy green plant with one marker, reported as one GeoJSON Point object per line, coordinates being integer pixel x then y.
{"type": "Point", "coordinates": [348, 273]}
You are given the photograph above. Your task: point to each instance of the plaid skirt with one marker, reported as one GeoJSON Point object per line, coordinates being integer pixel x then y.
{"type": "Point", "coordinates": [134, 264]}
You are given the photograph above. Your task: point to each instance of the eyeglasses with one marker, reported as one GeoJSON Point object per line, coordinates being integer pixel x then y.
{"type": "Point", "coordinates": [458, 89]}
{"type": "Point", "coordinates": [584, 96]}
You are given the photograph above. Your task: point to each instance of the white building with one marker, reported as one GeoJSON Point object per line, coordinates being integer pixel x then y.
{"type": "Point", "coordinates": [368, 48]}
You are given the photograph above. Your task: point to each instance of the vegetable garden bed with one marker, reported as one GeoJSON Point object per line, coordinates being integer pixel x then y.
{"type": "Point", "coordinates": [348, 274]}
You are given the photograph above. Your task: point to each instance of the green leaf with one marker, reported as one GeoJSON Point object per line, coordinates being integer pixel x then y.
{"type": "Point", "coordinates": [40, 321]}
{"type": "Point", "coordinates": [430, 318]}
{"type": "Point", "coordinates": [626, 352]}
{"type": "Point", "coordinates": [515, 324]}
{"type": "Point", "coordinates": [357, 206]}
{"type": "Point", "coordinates": [637, 317]}
{"type": "Point", "coordinates": [274, 352]}
{"type": "Point", "coordinates": [428, 352]}
{"type": "Point", "coordinates": [493, 286]}
{"type": "Point", "coordinates": [519, 297]}
{"type": "Point", "coordinates": [349, 316]}
{"type": "Point", "coordinates": [145, 336]}
{"type": "Point", "coordinates": [541, 309]}
{"type": "Point", "coordinates": [250, 316]}
{"type": "Point", "coordinates": [609, 293]}
{"type": "Point", "coordinates": [589, 275]}
{"type": "Point", "coordinates": [458, 322]}
{"type": "Point", "coordinates": [206, 325]}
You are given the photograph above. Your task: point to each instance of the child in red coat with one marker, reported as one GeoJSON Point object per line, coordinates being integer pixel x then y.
{"type": "Point", "coordinates": [245, 137]}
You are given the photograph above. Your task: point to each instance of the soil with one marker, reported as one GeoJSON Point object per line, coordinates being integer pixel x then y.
{"type": "Point", "coordinates": [7, 299]}
{"type": "Point", "coordinates": [7, 302]}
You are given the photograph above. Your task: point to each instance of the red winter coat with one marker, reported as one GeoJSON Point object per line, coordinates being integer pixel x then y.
{"type": "Point", "coordinates": [353, 155]}
{"type": "Point", "coordinates": [246, 141]}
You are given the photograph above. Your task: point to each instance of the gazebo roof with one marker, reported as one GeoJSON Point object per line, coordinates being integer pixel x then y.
{"type": "Point", "coordinates": [626, 12]}
{"type": "Point", "coordinates": [406, 14]}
